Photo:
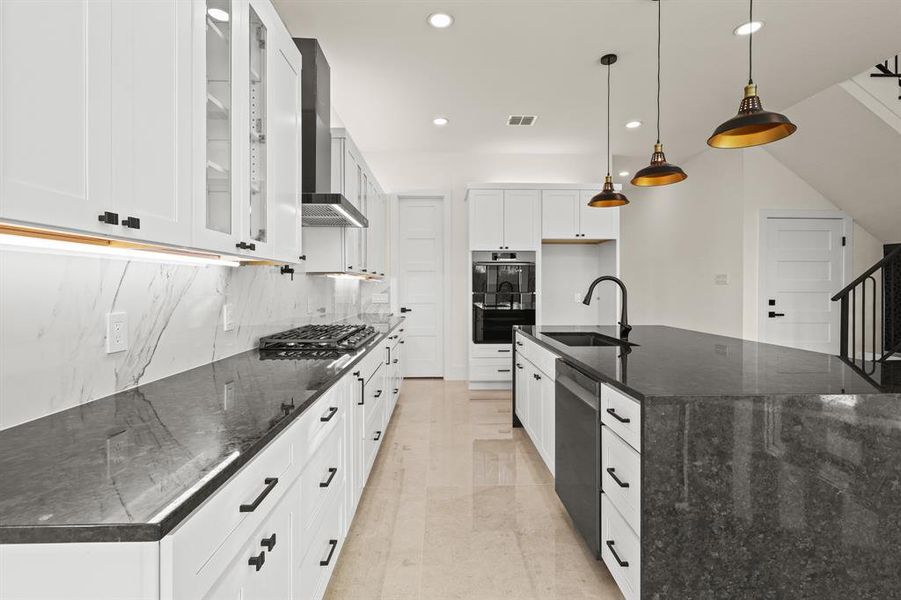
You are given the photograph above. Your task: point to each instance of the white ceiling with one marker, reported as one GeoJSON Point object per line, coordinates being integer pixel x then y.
{"type": "Point", "coordinates": [392, 73]}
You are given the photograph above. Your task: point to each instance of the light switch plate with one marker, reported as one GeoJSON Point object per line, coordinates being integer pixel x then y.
{"type": "Point", "coordinates": [116, 332]}
{"type": "Point", "coordinates": [228, 317]}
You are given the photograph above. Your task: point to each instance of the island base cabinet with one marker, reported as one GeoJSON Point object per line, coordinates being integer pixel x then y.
{"type": "Point", "coordinates": [96, 571]}
{"type": "Point", "coordinates": [620, 550]}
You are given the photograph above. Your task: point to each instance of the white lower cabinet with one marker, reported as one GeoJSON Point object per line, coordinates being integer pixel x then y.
{"type": "Point", "coordinates": [620, 550]}
{"type": "Point", "coordinates": [535, 395]}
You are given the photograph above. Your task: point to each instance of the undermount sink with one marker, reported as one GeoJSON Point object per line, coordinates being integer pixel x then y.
{"type": "Point", "coordinates": [584, 338]}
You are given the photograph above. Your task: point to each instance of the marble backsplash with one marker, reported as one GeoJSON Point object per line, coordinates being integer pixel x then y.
{"type": "Point", "coordinates": [53, 322]}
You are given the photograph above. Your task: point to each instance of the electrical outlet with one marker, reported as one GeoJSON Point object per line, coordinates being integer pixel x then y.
{"type": "Point", "coordinates": [116, 332]}
{"type": "Point", "coordinates": [577, 297]}
{"type": "Point", "coordinates": [228, 317]}
{"type": "Point", "coordinates": [228, 395]}
{"type": "Point", "coordinates": [721, 279]}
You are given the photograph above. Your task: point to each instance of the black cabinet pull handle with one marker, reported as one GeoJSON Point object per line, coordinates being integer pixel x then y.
{"type": "Point", "coordinates": [613, 414]}
{"type": "Point", "coordinates": [400, 342]}
{"type": "Point", "coordinates": [773, 315]}
{"type": "Point", "coordinates": [508, 350]}
{"type": "Point", "coordinates": [328, 559]}
{"type": "Point", "coordinates": [405, 310]}
{"type": "Point", "coordinates": [362, 392]}
{"type": "Point", "coordinates": [257, 561]}
{"type": "Point", "coordinates": [377, 394]}
{"type": "Point", "coordinates": [270, 484]}
{"type": "Point", "coordinates": [110, 218]}
{"type": "Point", "coordinates": [518, 366]}
{"type": "Point", "coordinates": [612, 472]}
{"type": "Point", "coordinates": [302, 257]}
{"type": "Point", "coordinates": [378, 434]}
{"type": "Point", "coordinates": [331, 412]}
{"type": "Point", "coordinates": [268, 543]}
{"type": "Point", "coordinates": [621, 562]}
{"type": "Point", "coordinates": [536, 376]}
{"type": "Point", "coordinates": [394, 361]}
{"type": "Point", "coordinates": [331, 475]}
{"type": "Point", "coordinates": [131, 222]}
{"type": "Point", "coordinates": [245, 246]}
{"type": "Point", "coordinates": [519, 343]}
{"type": "Point", "coordinates": [396, 390]}
{"type": "Point", "coordinates": [504, 370]}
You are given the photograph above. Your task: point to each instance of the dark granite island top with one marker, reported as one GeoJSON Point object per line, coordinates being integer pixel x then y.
{"type": "Point", "coordinates": [131, 466]}
{"type": "Point", "coordinates": [767, 472]}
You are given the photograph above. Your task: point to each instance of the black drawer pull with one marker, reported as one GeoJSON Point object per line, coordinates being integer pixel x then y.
{"type": "Point", "coordinates": [378, 434]}
{"type": "Point", "coordinates": [519, 343]}
{"type": "Point", "coordinates": [507, 350]}
{"type": "Point", "coordinates": [270, 484]}
{"type": "Point", "coordinates": [613, 414]}
{"type": "Point", "coordinates": [519, 365]}
{"type": "Point", "coordinates": [504, 370]}
{"type": "Point", "coordinates": [377, 394]}
{"type": "Point", "coordinates": [400, 342]}
{"type": "Point", "coordinates": [110, 218]}
{"type": "Point", "coordinates": [331, 475]}
{"type": "Point", "coordinates": [268, 543]}
{"type": "Point", "coordinates": [396, 390]}
{"type": "Point", "coordinates": [394, 361]}
{"type": "Point", "coordinates": [328, 559]}
{"type": "Point", "coordinates": [612, 472]}
{"type": "Point", "coordinates": [331, 412]}
{"type": "Point", "coordinates": [621, 562]}
{"type": "Point", "coordinates": [131, 222]}
{"type": "Point", "coordinates": [257, 561]}
{"type": "Point", "coordinates": [536, 376]}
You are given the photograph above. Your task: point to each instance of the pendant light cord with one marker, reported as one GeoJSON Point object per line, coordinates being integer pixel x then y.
{"type": "Point", "coordinates": [608, 120]}
{"type": "Point", "coordinates": [659, 11]}
{"type": "Point", "coordinates": [751, 42]}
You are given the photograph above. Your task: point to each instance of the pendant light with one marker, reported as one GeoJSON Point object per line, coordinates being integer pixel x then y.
{"type": "Point", "coordinates": [608, 197]}
{"type": "Point", "coordinates": [752, 126]}
{"type": "Point", "coordinates": [659, 172]}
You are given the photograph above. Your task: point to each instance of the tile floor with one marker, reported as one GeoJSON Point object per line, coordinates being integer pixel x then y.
{"type": "Point", "coordinates": [460, 505]}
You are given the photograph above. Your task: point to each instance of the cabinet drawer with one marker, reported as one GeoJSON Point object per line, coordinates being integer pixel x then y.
{"type": "Point", "coordinates": [620, 549]}
{"type": "Point", "coordinates": [491, 369]}
{"type": "Point", "coordinates": [543, 359]}
{"type": "Point", "coordinates": [373, 434]}
{"type": "Point", "coordinates": [318, 422]}
{"type": "Point", "coordinates": [220, 520]}
{"type": "Point", "coordinates": [324, 475]}
{"type": "Point", "coordinates": [316, 565]}
{"type": "Point", "coordinates": [621, 477]}
{"type": "Point", "coordinates": [622, 414]}
{"type": "Point", "coordinates": [491, 350]}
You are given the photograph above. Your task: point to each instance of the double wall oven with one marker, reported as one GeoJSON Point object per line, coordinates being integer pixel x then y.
{"type": "Point", "coordinates": [503, 295]}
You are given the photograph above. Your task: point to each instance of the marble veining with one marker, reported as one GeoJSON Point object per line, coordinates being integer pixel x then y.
{"type": "Point", "coordinates": [107, 470]}
{"type": "Point", "coordinates": [53, 322]}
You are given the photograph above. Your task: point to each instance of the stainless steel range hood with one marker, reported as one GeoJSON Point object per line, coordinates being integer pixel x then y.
{"type": "Point", "coordinates": [319, 206]}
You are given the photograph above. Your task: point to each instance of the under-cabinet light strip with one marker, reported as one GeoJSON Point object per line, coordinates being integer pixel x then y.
{"type": "Point", "coordinates": [52, 243]}
{"type": "Point", "coordinates": [347, 215]}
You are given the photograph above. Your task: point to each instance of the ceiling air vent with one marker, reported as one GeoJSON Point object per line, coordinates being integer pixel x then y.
{"type": "Point", "coordinates": [521, 120]}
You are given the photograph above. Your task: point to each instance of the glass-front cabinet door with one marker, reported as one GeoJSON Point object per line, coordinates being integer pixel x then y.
{"type": "Point", "coordinates": [257, 222]}
{"type": "Point", "coordinates": [218, 116]}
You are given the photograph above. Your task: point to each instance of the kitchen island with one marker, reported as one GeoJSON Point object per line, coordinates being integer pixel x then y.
{"type": "Point", "coordinates": [765, 471]}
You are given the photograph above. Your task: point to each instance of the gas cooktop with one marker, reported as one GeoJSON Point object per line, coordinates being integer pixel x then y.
{"type": "Point", "coordinates": [316, 341]}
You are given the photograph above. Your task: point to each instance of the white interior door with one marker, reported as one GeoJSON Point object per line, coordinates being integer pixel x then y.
{"type": "Point", "coordinates": [421, 284]}
{"type": "Point", "coordinates": [802, 268]}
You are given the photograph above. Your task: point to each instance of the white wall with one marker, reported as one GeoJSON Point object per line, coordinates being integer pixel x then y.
{"type": "Point", "coordinates": [451, 172]}
{"type": "Point", "coordinates": [675, 239]}
{"type": "Point", "coordinates": [53, 322]}
{"type": "Point", "coordinates": [566, 272]}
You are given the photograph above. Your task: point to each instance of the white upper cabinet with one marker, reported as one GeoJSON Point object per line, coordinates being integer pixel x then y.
{"type": "Point", "coordinates": [97, 118]}
{"type": "Point", "coordinates": [597, 223]}
{"type": "Point", "coordinates": [522, 214]}
{"type": "Point", "coordinates": [151, 120]}
{"type": "Point", "coordinates": [486, 219]}
{"type": "Point", "coordinates": [504, 220]}
{"type": "Point", "coordinates": [560, 214]}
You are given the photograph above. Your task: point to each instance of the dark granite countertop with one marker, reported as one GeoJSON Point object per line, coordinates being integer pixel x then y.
{"type": "Point", "coordinates": [116, 469]}
{"type": "Point", "coordinates": [766, 472]}
{"type": "Point", "coordinates": [668, 362]}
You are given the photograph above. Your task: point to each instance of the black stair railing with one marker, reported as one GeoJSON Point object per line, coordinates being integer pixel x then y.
{"type": "Point", "coordinates": [850, 309]}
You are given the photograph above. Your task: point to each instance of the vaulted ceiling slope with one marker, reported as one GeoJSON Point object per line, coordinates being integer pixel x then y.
{"type": "Point", "coordinates": [850, 154]}
{"type": "Point", "coordinates": [392, 73]}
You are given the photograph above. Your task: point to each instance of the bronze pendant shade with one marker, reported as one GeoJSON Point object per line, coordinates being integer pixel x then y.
{"type": "Point", "coordinates": [608, 197]}
{"type": "Point", "coordinates": [659, 172]}
{"type": "Point", "coordinates": [752, 126]}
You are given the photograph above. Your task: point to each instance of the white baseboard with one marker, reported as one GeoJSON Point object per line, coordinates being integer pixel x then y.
{"type": "Point", "coordinates": [490, 385]}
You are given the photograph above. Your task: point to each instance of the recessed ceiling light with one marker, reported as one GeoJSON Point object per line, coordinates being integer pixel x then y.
{"type": "Point", "coordinates": [440, 20]}
{"type": "Point", "coordinates": [218, 14]}
{"type": "Point", "coordinates": [633, 124]}
{"type": "Point", "coordinates": [623, 173]}
{"type": "Point", "coordinates": [748, 28]}
{"type": "Point", "coordinates": [440, 121]}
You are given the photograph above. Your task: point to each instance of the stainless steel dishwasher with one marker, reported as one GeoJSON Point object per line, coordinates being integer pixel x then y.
{"type": "Point", "coordinates": [577, 459]}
